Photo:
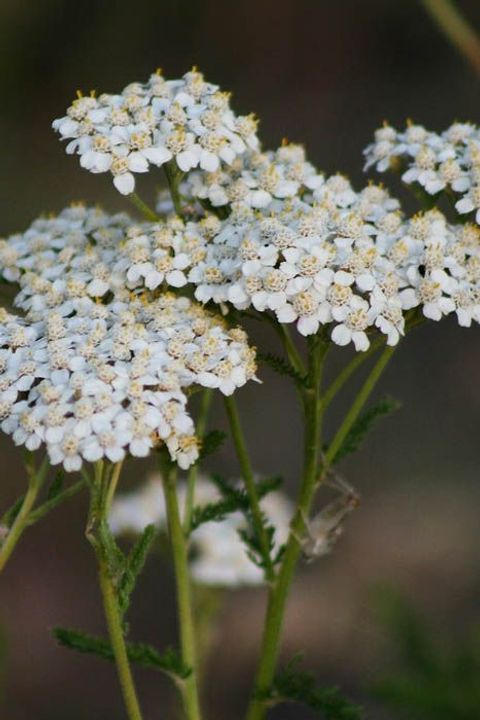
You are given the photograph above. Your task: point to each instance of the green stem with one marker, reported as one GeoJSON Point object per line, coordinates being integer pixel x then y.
{"type": "Point", "coordinates": [112, 486]}
{"type": "Point", "coordinates": [279, 591]}
{"type": "Point", "coordinates": [456, 28]}
{"type": "Point", "coordinates": [189, 687]}
{"type": "Point", "coordinates": [358, 404]}
{"type": "Point", "coordinates": [292, 352]}
{"type": "Point", "coordinates": [201, 424]}
{"type": "Point", "coordinates": [117, 639]}
{"type": "Point", "coordinates": [345, 374]}
{"type": "Point", "coordinates": [174, 176]}
{"type": "Point", "coordinates": [143, 208]}
{"type": "Point", "coordinates": [21, 522]}
{"type": "Point", "coordinates": [249, 481]}
{"type": "Point", "coordinates": [101, 493]}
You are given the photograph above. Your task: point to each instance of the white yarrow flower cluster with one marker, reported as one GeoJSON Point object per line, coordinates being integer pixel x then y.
{"type": "Point", "coordinates": [188, 121]}
{"type": "Point", "coordinates": [102, 381]}
{"type": "Point", "coordinates": [256, 179]}
{"type": "Point", "coordinates": [219, 556]}
{"type": "Point", "coordinates": [436, 161]}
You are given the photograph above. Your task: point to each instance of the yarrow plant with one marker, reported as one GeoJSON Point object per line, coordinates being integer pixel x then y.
{"type": "Point", "coordinates": [117, 321]}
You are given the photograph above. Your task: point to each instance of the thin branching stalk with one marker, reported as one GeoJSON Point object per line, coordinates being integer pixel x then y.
{"type": "Point", "coordinates": [249, 481]}
{"type": "Point", "coordinates": [174, 176]}
{"type": "Point", "coordinates": [200, 426]}
{"type": "Point", "coordinates": [22, 521]}
{"type": "Point", "coordinates": [345, 374]}
{"type": "Point", "coordinates": [101, 494]}
{"type": "Point", "coordinates": [278, 593]}
{"type": "Point", "coordinates": [117, 639]}
{"type": "Point", "coordinates": [178, 541]}
{"type": "Point", "coordinates": [456, 28]}
{"type": "Point", "coordinates": [143, 208]}
{"type": "Point", "coordinates": [358, 404]}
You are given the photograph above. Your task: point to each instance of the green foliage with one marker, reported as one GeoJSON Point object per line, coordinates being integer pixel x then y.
{"type": "Point", "coordinates": [364, 424]}
{"type": "Point", "coordinates": [293, 685]}
{"type": "Point", "coordinates": [168, 662]}
{"type": "Point", "coordinates": [233, 500]}
{"type": "Point", "coordinates": [433, 683]}
{"type": "Point", "coordinates": [282, 367]}
{"type": "Point", "coordinates": [211, 442]}
{"type": "Point", "coordinates": [132, 567]}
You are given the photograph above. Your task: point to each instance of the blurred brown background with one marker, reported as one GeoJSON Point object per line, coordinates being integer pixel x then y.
{"type": "Point", "coordinates": [324, 73]}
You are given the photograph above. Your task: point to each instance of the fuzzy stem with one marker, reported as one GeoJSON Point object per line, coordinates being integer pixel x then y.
{"type": "Point", "coordinates": [102, 491]}
{"type": "Point", "coordinates": [358, 404]}
{"type": "Point", "coordinates": [174, 176]}
{"type": "Point", "coordinates": [112, 487]}
{"type": "Point", "coordinates": [201, 424]}
{"type": "Point", "coordinates": [117, 639]}
{"type": "Point", "coordinates": [249, 480]}
{"type": "Point", "coordinates": [22, 521]}
{"type": "Point", "coordinates": [456, 28]}
{"type": "Point", "coordinates": [143, 208]}
{"type": "Point", "coordinates": [279, 591]}
{"type": "Point", "coordinates": [345, 374]}
{"type": "Point", "coordinates": [189, 687]}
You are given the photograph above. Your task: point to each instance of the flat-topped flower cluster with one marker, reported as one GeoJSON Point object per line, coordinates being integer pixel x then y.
{"type": "Point", "coordinates": [187, 120]}
{"type": "Point", "coordinates": [114, 332]}
{"type": "Point", "coordinates": [447, 161]}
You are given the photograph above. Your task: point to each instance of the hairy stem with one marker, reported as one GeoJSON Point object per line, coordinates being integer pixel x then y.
{"type": "Point", "coordinates": [345, 374]}
{"type": "Point", "coordinates": [22, 521]}
{"type": "Point", "coordinates": [189, 687]}
{"type": "Point", "coordinates": [201, 424]}
{"type": "Point", "coordinates": [278, 592]}
{"type": "Point", "coordinates": [249, 481]}
{"type": "Point", "coordinates": [115, 631]}
{"type": "Point", "coordinates": [358, 404]}
{"type": "Point", "coordinates": [174, 176]}
{"type": "Point", "coordinates": [143, 208]}
{"type": "Point", "coordinates": [456, 28]}
{"type": "Point", "coordinates": [102, 491]}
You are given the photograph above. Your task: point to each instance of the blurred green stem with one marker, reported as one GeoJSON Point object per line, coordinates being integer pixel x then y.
{"type": "Point", "coordinates": [36, 478]}
{"type": "Point", "coordinates": [174, 176]}
{"type": "Point", "coordinates": [456, 28]}
{"type": "Point", "coordinates": [143, 208]}
{"type": "Point", "coordinates": [178, 542]}
{"type": "Point", "coordinates": [201, 424]}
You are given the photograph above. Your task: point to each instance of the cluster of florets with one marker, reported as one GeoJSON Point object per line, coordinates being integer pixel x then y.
{"type": "Point", "coordinates": [256, 179]}
{"type": "Point", "coordinates": [188, 121]}
{"type": "Point", "coordinates": [110, 379]}
{"type": "Point", "coordinates": [219, 556]}
{"type": "Point", "coordinates": [436, 161]}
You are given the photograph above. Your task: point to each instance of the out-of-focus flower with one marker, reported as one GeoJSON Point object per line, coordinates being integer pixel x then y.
{"type": "Point", "coordinates": [219, 557]}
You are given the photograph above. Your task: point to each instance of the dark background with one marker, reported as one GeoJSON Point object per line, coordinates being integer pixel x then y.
{"type": "Point", "coordinates": [325, 73]}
